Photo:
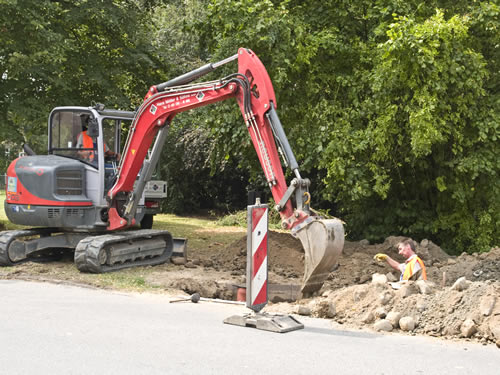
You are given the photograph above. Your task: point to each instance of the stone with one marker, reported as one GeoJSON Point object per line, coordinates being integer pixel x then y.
{"type": "Point", "coordinates": [326, 309]}
{"type": "Point", "coordinates": [468, 328]}
{"type": "Point", "coordinates": [390, 277]}
{"type": "Point", "coordinates": [486, 305]}
{"type": "Point", "coordinates": [332, 310]}
{"type": "Point", "coordinates": [494, 325]}
{"type": "Point", "coordinates": [424, 242]}
{"type": "Point", "coordinates": [363, 279]}
{"type": "Point", "coordinates": [304, 310]}
{"type": "Point", "coordinates": [364, 242]}
{"type": "Point", "coordinates": [421, 305]}
{"type": "Point", "coordinates": [383, 325]}
{"type": "Point", "coordinates": [327, 293]}
{"type": "Point", "coordinates": [178, 260]}
{"type": "Point", "coordinates": [451, 261]}
{"type": "Point", "coordinates": [368, 318]}
{"type": "Point", "coordinates": [452, 329]}
{"type": "Point", "coordinates": [190, 265]}
{"type": "Point", "coordinates": [407, 290]}
{"type": "Point", "coordinates": [360, 293]}
{"type": "Point", "coordinates": [380, 313]}
{"type": "Point", "coordinates": [407, 323]}
{"type": "Point", "coordinates": [425, 287]}
{"type": "Point", "coordinates": [378, 278]}
{"type": "Point", "coordinates": [384, 298]}
{"type": "Point", "coordinates": [460, 284]}
{"type": "Point", "coordinates": [208, 263]}
{"type": "Point", "coordinates": [394, 318]}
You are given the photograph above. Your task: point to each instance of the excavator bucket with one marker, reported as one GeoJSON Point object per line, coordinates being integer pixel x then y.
{"type": "Point", "coordinates": [323, 241]}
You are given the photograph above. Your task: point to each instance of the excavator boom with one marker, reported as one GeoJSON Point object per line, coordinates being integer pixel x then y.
{"type": "Point", "coordinates": [252, 88]}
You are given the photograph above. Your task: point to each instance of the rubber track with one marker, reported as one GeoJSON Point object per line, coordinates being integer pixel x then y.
{"type": "Point", "coordinates": [7, 237]}
{"type": "Point", "coordinates": [87, 250]}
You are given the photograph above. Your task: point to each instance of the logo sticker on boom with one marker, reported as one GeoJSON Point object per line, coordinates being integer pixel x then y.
{"type": "Point", "coordinates": [200, 96]}
{"type": "Point", "coordinates": [153, 109]}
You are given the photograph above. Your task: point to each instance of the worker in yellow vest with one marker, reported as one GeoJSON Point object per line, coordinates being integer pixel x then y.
{"type": "Point", "coordinates": [413, 268]}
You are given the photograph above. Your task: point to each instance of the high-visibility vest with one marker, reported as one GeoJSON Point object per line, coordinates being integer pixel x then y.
{"type": "Point", "coordinates": [412, 266]}
{"type": "Point", "coordinates": [88, 142]}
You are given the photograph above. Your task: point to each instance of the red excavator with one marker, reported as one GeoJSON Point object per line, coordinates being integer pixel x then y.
{"type": "Point", "coordinates": [83, 199]}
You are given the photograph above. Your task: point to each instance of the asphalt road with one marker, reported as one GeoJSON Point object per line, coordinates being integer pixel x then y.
{"type": "Point", "coordinates": [60, 329]}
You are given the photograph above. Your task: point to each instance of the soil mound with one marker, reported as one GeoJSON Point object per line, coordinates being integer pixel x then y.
{"type": "Point", "coordinates": [461, 298]}
{"type": "Point", "coordinates": [285, 256]}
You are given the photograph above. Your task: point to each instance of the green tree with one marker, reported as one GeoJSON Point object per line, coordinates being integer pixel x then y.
{"type": "Point", "coordinates": [424, 163]}
{"type": "Point", "coordinates": [397, 116]}
{"type": "Point", "coordinates": [69, 53]}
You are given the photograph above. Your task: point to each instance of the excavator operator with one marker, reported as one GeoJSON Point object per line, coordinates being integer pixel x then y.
{"type": "Point", "coordinates": [87, 142]}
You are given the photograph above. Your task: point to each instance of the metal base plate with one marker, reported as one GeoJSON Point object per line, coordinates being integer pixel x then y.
{"type": "Point", "coordinates": [266, 322]}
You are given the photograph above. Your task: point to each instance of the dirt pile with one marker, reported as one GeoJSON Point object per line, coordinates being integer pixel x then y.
{"type": "Point", "coordinates": [460, 299]}
{"type": "Point", "coordinates": [285, 256]}
{"type": "Point", "coordinates": [417, 307]}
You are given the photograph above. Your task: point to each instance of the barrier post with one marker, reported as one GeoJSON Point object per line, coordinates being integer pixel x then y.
{"type": "Point", "coordinates": [256, 284]}
{"type": "Point", "coordinates": [257, 219]}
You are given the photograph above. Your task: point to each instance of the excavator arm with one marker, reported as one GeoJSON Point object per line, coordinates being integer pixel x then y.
{"type": "Point", "coordinates": [252, 88]}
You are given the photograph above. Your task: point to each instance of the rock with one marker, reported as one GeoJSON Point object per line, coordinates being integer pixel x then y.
{"type": "Point", "coordinates": [359, 293]}
{"type": "Point", "coordinates": [332, 310]}
{"type": "Point", "coordinates": [407, 323]}
{"type": "Point", "coordinates": [451, 261]}
{"type": "Point", "coordinates": [421, 305]}
{"type": "Point", "coordinates": [424, 242]}
{"type": "Point", "coordinates": [363, 279]}
{"type": "Point", "coordinates": [380, 313]}
{"type": "Point", "coordinates": [394, 318]}
{"type": "Point", "coordinates": [384, 298]}
{"type": "Point", "coordinates": [468, 328]}
{"type": "Point", "coordinates": [304, 310]}
{"type": "Point", "coordinates": [383, 325]}
{"type": "Point", "coordinates": [498, 343]}
{"type": "Point", "coordinates": [378, 278]}
{"type": "Point", "coordinates": [364, 242]}
{"type": "Point", "coordinates": [460, 284]}
{"type": "Point", "coordinates": [178, 260]}
{"type": "Point", "coordinates": [423, 253]}
{"type": "Point", "coordinates": [190, 265]}
{"type": "Point", "coordinates": [368, 318]}
{"type": "Point", "coordinates": [486, 305]}
{"type": "Point", "coordinates": [326, 309]}
{"type": "Point", "coordinates": [327, 293]}
{"type": "Point", "coordinates": [390, 277]}
{"type": "Point", "coordinates": [494, 326]}
{"type": "Point", "coordinates": [406, 290]}
{"type": "Point", "coordinates": [208, 263]}
{"type": "Point", "coordinates": [452, 329]}
{"type": "Point", "coordinates": [425, 287]}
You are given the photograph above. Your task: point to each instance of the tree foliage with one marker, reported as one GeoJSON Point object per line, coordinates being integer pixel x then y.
{"type": "Point", "coordinates": [78, 52]}
{"type": "Point", "coordinates": [391, 106]}
{"type": "Point", "coordinates": [390, 103]}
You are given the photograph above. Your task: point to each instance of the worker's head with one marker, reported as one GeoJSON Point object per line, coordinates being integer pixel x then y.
{"type": "Point", "coordinates": [406, 248]}
{"type": "Point", "coordinates": [84, 118]}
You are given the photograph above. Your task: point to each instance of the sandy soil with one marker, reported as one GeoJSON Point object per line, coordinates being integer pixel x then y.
{"type": "Point", "coordinates": [352, 296]}
{"type": "Point", "coordinates": [469, 309]}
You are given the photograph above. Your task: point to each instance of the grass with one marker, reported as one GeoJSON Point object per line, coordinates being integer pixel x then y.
{"type": "Point", "coordinates": [201, 234]}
